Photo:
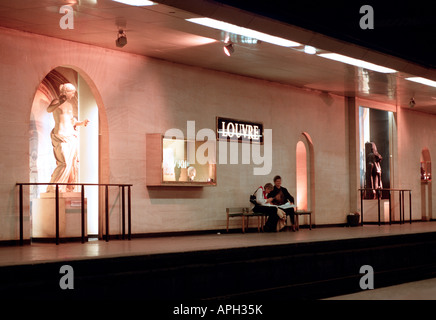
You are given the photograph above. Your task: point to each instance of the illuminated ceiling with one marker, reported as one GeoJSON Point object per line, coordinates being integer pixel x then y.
{"type": "Point", "coordinates": [162, 31]}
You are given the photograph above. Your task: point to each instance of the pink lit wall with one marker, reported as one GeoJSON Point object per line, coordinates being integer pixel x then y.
{"type": "Point", "coordinates": [416, 132]}
{"type": "Point", "coordinates": [301, 176]}
{"type": "Point", "coordinates": [138, 95]}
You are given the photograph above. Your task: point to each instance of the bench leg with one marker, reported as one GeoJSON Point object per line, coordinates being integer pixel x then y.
{"type": "Point", "coordinates": [227, 223]}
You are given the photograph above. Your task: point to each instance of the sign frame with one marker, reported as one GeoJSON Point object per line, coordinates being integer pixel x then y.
{"type": "Point", "coordinates": [250, 130]}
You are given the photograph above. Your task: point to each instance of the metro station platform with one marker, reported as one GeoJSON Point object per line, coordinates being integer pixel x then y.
{"type": "Point", "coordinates": [305, 265]}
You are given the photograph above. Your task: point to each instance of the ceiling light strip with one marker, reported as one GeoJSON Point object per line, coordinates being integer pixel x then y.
{"type": "Point", "coordinates": [356, 62]}
{"type": "Point", "coordinates": [425, 81]}
{"type": "Point", "coordinates": [137, 3]}
{"type": "Point", "coordinates": [249, 33]}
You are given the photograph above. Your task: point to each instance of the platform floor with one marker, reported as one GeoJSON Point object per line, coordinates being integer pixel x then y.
{"type": "Point", "coordinates": [43, 252]}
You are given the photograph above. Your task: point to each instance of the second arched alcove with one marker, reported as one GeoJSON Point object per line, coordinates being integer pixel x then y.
{"type": "Point", "coordinates": [426, 186]}
{"type": "Point", "coordinates": [305, 175]}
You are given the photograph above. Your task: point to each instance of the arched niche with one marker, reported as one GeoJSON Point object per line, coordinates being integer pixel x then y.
{"type": "Point", "coordinates": [425, 165]}
{"type": "Point", "coordinates": [93, 150]}
{"type": "Point", "coordinates": [302, 176]}
{"type": "Point", "coordinates": [426, 186]}
{"type": "Point", "coordinates": [305, 174]}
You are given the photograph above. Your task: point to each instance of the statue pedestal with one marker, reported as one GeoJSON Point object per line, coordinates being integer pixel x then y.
{"type": "Point", "coordinates": [370, 210]}
{"type": "Point", "coordinates": [70, 220]}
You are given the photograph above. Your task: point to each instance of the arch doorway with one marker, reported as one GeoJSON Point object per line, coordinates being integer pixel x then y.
{"type": "Point", "coordinates": [305, 187]}
{"type": "Point", "coordinates": [426, 187]}
{"type": "Point", "coordinates": [42, 161]}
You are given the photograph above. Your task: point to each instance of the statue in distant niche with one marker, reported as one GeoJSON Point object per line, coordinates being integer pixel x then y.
{"type": "Point", "coordinates": [64, 139]}
{"type": "Point", "coordinates": [374, 169]}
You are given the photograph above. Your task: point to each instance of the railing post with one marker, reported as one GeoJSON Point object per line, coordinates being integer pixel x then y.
{"type": "Point", "coordinates": [83, 212]}
{"type": "Point", "coordinates": [390, 207]}
{"type": "Point", "coordinates": [123, 209]}
{"type": "Point", "coordinates": [57, 214]}
{"type": "Point", "coordinates": [378, 203]}
{"type": "Point", "coordinates": [129, 213]}
{"type": "Point", "coordinates": [404, 209]}
{"type": "Point", "coordinates": [21, 216]}
{"type": "Point", "coordinates": [410, 205]}
{"type": "Point", "coordinates": [107, 211]}
{"type": "Point", "coordinates": [401, 214]}
{"type": "Point", "coordinates": [361, 207]}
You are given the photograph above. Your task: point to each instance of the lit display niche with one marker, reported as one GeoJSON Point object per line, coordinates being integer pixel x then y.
{"type": "Point", "coordinates": [180, 162]}
{"type": "Point", "coordinates": [425, 166]}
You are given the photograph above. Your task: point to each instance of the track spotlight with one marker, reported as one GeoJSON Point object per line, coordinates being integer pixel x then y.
{"type": "Point", "coordinates": [412, 102]}
{"type": "Point", "coordinates": [122, 39]}
{"type": "Point", "coordinates": [228, 49]}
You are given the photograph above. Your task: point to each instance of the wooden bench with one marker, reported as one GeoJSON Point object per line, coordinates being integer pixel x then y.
{"type": "Point", "coordinates": [236, 212]}
{"type": "Point", "coordinates": [261, 217]}
{"type": "Point", "coordinates": [245, 214]}
{"type": "Point", "coordinates": [299, 213]}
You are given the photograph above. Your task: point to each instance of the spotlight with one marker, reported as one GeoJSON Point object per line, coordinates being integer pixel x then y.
{"type": "Point", "coordinates": [122, 39]}
{"type": "Point", "coordinates": [228, 49]}
{"type": "Point", "coordinates": [412, 102]}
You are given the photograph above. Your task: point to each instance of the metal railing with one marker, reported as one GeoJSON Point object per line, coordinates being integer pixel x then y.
{"type": "Point", "coordinates": [378, 196]}
{"type": "Point", "coordinates": [106, 198]}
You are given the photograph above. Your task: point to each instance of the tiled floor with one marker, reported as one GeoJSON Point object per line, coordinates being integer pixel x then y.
{"type": "Point", "coordinates": [38, 252]}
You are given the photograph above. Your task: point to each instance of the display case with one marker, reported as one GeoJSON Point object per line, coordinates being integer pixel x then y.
{"type": "Point", "coordinates": [180, 162]}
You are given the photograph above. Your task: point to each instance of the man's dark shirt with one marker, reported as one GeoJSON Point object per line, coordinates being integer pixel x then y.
{"type": "Point", "coordinates": [281, 196]}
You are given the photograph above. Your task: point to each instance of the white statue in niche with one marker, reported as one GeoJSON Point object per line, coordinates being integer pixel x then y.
{"type": "Point", "coordinates": [191, 173]}
{"type": "Point", "coordinates": [64, 139]}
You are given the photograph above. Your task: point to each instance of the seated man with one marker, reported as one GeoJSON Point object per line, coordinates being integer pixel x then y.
{"type": "Point", "coordinates": [281, 197]}
{"type": "Point", "coordinates": [276, 217]}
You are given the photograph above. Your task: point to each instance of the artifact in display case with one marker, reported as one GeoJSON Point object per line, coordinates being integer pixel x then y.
{"type": "Point", "coordinates": [180, 162]}
{"type": "Point", "coordinates": [425, 171]}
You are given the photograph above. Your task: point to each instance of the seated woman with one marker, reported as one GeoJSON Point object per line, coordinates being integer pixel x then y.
{"type": "Point", "coordinates": [276, 217]}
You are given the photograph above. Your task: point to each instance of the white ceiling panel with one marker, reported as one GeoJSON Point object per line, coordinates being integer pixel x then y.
{"type": "Point", "coordinates": [161, 31]}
